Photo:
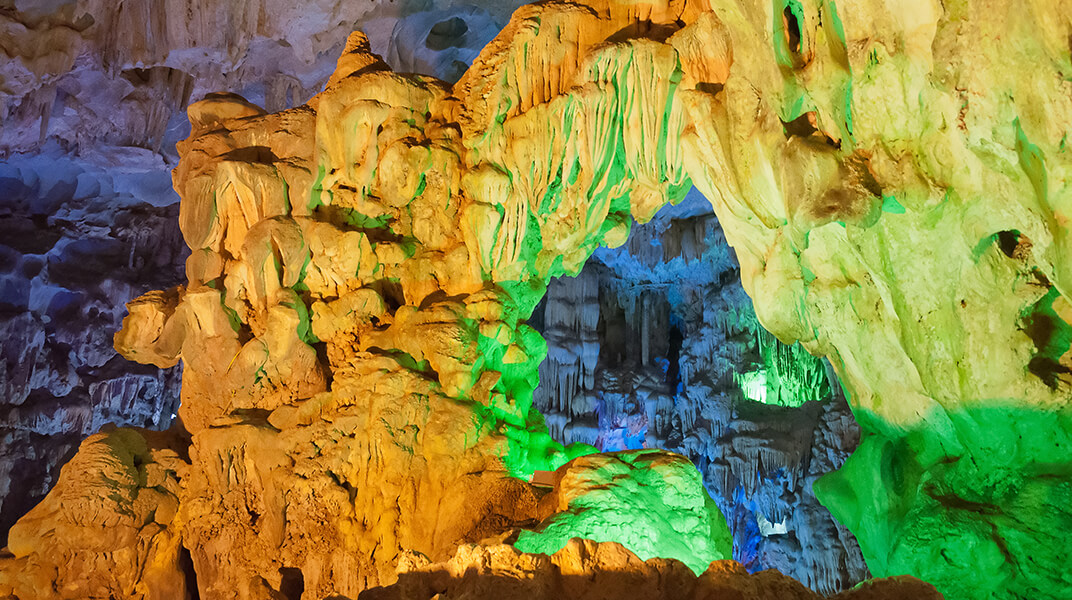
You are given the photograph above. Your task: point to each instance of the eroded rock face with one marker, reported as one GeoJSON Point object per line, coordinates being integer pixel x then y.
{"type": "Point", "coordinates": [874, 234]}
{"type": "Point", "coordinates": [76, 243]}
{"type": "Point", "coordinates": [872, 229]}
{"type": "Point", "coordinates": [348, 395]}
{"type": "Point", "coordinates": [105, 530]}
{"type": "Point", "coordinates": [355, 277]}
{"type": "Point", "coordinates": [93, 99]}
{"type": "Point", "coordinates": [95, 76]}
{"type": "Point", "coordinates": [584, 569]}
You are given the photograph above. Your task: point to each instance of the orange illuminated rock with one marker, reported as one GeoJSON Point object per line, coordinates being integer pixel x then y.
{"type": "Point", "coordinates": [358, 371]}
{"type": "Point", "coordinates": [107, 529]}
{"type": "Point", "coordinates": [587, 570]}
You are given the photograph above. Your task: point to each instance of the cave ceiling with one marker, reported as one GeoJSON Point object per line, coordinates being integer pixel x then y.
{"type": "Point", "coordinates": [366, 247]}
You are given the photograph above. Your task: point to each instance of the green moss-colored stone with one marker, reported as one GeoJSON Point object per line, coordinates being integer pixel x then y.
{"type": "Point", "coordinates": [650, 501]}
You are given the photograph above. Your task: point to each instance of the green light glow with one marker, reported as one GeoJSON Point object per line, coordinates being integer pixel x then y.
{"type": "Point", "coordinates": [650, 501]}
{"type": "Point", "coordinates": [977, 501]}
{"type": "Point", "coordinates": [753, 384]}
{"type": "Point", "coordinates": [786, 376]}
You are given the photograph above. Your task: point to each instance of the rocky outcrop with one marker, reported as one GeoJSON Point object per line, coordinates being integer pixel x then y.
{"type": "Point", "coordinates": [352, 278]}
{"type": "Point", "coordinates": [353, 324]}
{"type": "Point", "coordinates": [105, 530]}
{"type": "Point", "coordinates": [93, 99]}
{"type": "Point", "coordinates": [98, 79]}
{"type": "Point", "coordinates": [587, 570]}
{"type": "Point", "coordinates": [651, 501]}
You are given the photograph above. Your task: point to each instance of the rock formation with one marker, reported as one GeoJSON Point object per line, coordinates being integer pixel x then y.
{"type": "Point", "coordinates": [357, 372]}
{"type": "Point", "coordinates": [295, 282]}
{"type": "Point", "coordinates": [656, 344]}
{"type": "Point", "coordinates": [93, 99]}
{"type": "Point", "coordinates": [106, 528]}
{"type": "Point", "coordinates": [584, 570]}
{"type": "Point", "coordinates": [650, 501]}
{"type": "Point", "coordinates": [90, 75]}
{"type": "Point", "coordinates": [76, 243]}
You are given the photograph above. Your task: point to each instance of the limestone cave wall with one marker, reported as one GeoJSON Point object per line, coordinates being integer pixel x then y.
{"type": "Point", "coordinates": [93, 100]}
{"type": "Point", "coordinates": [358, 374]}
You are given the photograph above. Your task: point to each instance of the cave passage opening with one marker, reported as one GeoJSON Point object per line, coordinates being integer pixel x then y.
{"type": "Point", "coordinates": [655, 344]}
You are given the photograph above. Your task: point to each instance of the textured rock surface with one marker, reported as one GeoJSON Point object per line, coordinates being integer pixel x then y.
{"type": "Point", "coordinates": [588, 570]}
{"type": "Point", "coordinates": [354, 277]}
{"type": "Point", "coordinates": [91, 74]}
{"type": "Point", "coordinates": [104, 529]}
{"type": "Point", "coordinates": [651, 501]}
{"type": "Point", "coordinates": [894, 183]}
{"type": "Point", "coordinates": [93, 99]}
{"type": "Point", "coordinates": [889, 235]}
{"type": "Point", "coordinates": [76, 243]}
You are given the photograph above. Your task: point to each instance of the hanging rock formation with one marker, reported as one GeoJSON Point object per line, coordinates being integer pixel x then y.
{"type": "Point", "coordinates": [358, 375]}
{"type": "Point", "coordinates": [655, 344]}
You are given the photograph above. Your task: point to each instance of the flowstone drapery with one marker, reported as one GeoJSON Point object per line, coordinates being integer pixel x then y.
{"type": "Point", "coordinates": [358, 373]}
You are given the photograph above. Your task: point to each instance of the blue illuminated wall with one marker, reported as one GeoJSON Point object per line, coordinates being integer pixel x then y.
{"type": "Point", "coordinates": [656, 344]}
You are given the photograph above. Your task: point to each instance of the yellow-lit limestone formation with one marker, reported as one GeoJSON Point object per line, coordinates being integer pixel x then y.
{"type": "Point", "coordinates": [106, 528]}
{"type": "Point", "coordinates": [357, 370]}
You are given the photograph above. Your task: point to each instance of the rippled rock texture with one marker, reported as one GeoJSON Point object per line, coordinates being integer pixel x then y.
{"type": "Point", "coordinates": [357, 372]}
{"type": "Point", "coordinates": [93, 99]}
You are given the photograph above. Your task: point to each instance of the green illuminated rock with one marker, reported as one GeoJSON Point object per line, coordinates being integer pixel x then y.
{"type": "Point", "coordinates": [896, 185]}
{"type": "Point", "coordinates": [896, 181]}
{"type": "Point", "coordinates": [988, 495]}
{"type": "Point", "coordinates": [650, 501]}
{"type": "Point", "coordinates": [787, 376]}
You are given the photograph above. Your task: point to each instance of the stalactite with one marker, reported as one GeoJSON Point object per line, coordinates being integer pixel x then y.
{"type": "Point", "coordinates": [755, 464]}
